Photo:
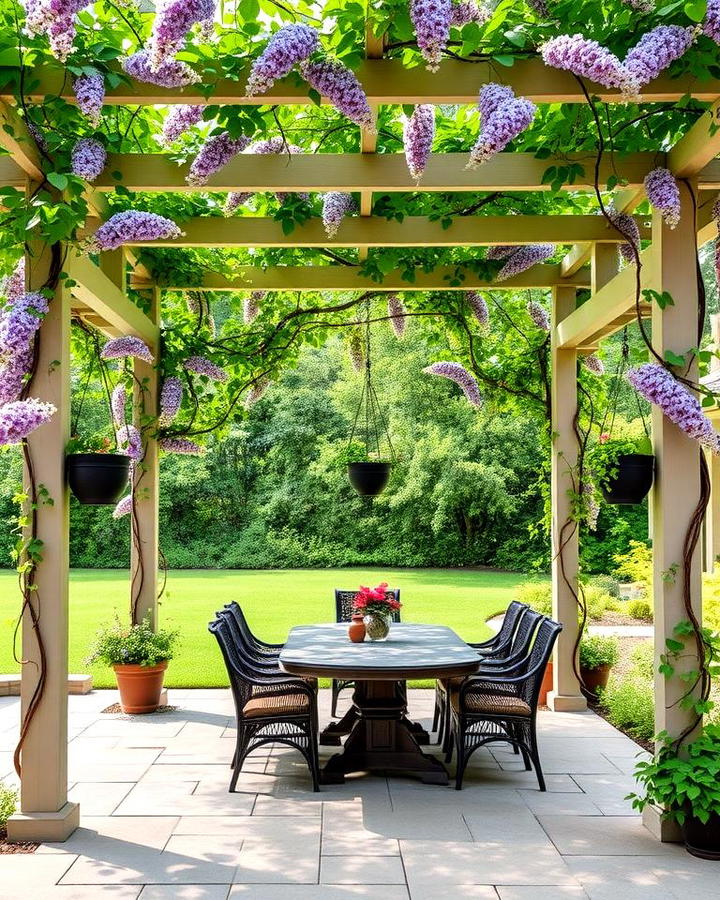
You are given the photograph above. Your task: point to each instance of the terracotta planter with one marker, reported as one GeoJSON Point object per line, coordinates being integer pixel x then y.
{"type": "Point", "coordinates": [140, 687]}
{"type": "Point", "coordinates": [356, 629]}
{"type": "Point", "coordinates": [595, 680]}
{"type": "Point", "coordinates": [546, 685]}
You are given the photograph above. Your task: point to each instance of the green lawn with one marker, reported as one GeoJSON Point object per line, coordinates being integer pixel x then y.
{"type": "Point", "coordinates": [274, 601]}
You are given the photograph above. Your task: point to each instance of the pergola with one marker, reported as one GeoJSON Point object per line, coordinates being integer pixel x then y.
{"type": "Point", "coordinates": [98, 295]}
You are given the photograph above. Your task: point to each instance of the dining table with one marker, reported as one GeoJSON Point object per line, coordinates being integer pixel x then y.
{"type": "Point", "coordinates": [381, 738]}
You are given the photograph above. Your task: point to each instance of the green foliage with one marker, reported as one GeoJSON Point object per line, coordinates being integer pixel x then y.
{"type": "Point", "coordinates": [640, 609]}
{"type": "Point", "coordinates": [605, 583]}
{"type": "Point", "coordinates": [596, 651]}
{"type": "Point", "coordinates": [537, 595]}
{"type": "Point", "coordinates": [96, 443]}
{"type": "Point", "coordinates": [636, 565]}
{"type": "Point", "coordinates": [597, 601]}
{"type": "Point", "coordinates": [8, 803]}
{"type": "Point", "coordinates": [137, 645]}
{"type": "Point", "coordinates": [603, 458]}
{"type": "Point", "coordinates": [711, 601]}
{"type": "Point", "coordinates": [630, 699]}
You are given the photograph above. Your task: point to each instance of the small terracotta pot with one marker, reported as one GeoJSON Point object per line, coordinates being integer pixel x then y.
{"type": "Point", "coordinates": [356, 628]}
{"type": "Point", "coordinates": [140, 687]}
{"type": "Point", "coordinates": [596, 679]}
{"type": "Point", "coordinates": [546, 685]}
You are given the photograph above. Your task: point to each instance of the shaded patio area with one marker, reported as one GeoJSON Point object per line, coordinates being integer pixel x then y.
{"type": "Point", "coordinates": [158, 821]}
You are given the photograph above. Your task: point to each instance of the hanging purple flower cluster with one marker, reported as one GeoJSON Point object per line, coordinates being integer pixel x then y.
{"type": "Point", "coordinates": [118, 405]}
{"type": "Point", "coordinates": [431, 20]}
{"type": "Point", "coordinates": [19, 322]}
{"type": "Point", "coordinates": [539, 316]}
{"type": "Point", "coordinates": [257, 391]}
{"type": "Point", "coordinates": [539, 7]}
{"type": "Point", "coordinates": [479, 308]}
{"type": "Point", "coordinates": [202, 366]}
{"type": "Point", "coordinates": [128, 345]}
{"type": "Point", "coordinates": [180, 445]}
{"type": "Point", "coordinates": [37, 135]}
{"type": "Point", "coordinates": [594, 364]}
{"type": "Point", "coordinates": [129, 441]}
{"type": "Point", "coordinates": [88, 158]}
{"type": "Point", "coordinates": [332, 79]}
{"type": "Point", "coordinates": [215, 154]}
{"type": "Point", "coordinates": [13, 372]}
{"type": "Point", "coordinates": [397, 313]}
{"type": "Point", "coordinates": [711, 25]}
{"type": "Point", "coordinates": [641, 6]}
{"type": "Point", "coordinates": [501, 251]}
{"type": "Point", "coordinates": [21, 417]}
{"type": "Point", "coordinates": [123, 507]}
{"type": "Point", "coordinates": [356, 350]}
{"type": "Point", "coordinates": [336, 205]}
{"type": "Point", "coordinates": [171, 396]}
{"type": "Point", "coordinates": [627, 226]}
{"type": "Point", "coordinates": [234, 200]}
{"type": "Point", "coordinates": [170, 74]}
{"type": "Point", "coordinates": [585, 58]}
{"type": "Point", "coordinates": [525, 258]}
{"type": "Point", "coordinates": [664, 195]}
{"type": "Point", "coordinates": [131, 225]}
{"type": "Point", "coordinates": [467, 11]}
{"type": "Point", "coordinates": [654, 52]}
{"type": "Point", "coordinates": [13, 286]}
{"type": "Point", "coordinates": [418, 134]}
{"type": "Point", "coordinates": [251, 306]}
{"type": "Point", "coordinates": [592, 507]}
{"type": "Point", "coordinates": [460, 375]}
{"type": "Point", "coordinates": [180, 119]}
{"type": "Point", "coordinates": [290, 45]}
{"type": "Point", "coordinates": [657, 385]}
{"type": "Point", "coordinates": [56, 19]}
{"type": "Point", "coordinates": [89, 89]}
{"type": "Point", "coordinates": [503, 116]}
{"type": "Point", "coordinates": [173, 20]}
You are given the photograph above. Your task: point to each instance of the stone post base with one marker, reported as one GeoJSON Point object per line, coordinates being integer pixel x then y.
{"type": "Point", "coordinates": [44, 826]}
{"type": "Point", "coordinates": [664, 830]}
{"type": "Point", "coordinates": [566, 703]}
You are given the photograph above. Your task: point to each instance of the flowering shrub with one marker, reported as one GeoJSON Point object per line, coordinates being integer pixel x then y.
{"type": "Point", "coordinates": [431, 20]}
{"type": "Point", "coordinates": [21, 417]}
{"type": "Point", "coordinates": [467, 11]}
{"type": "Point", "coordinates": [664, 195]}
{"type": "Point", "coordinates": [202, 366]}
{"type": "Point", "coordinates": [215, 153]}
{"type": "Point", "coordinates": [479, 308]}
{"type": "Point", "coordinates": [332, 79]}
{"type": "Point", "coordinates": [251, 306]}
{"type": "Point", "coordinates": [173, 20]}
{"type": "Point", "coordinates": [56, 19]}
{"type": "Point", "coordinates": [170, 74]}
{"type": "Point", "coordinates": [462, 378]}
{"type": "Point", "coordinates": [418, 133]}
{"type": "Point", "coordinates": [121, 347]}
{"type": "Point", "coordinates": [336, 205]}
{"type": "Point", "coordinates": [20, 320]}
{"type": "Point", "coordinates": [290, 45]}
{"type": "Point", "coordinates": [501, 251]}
{"type": "Point", "coordinates": [502, 118]}
{"type": "Point", "coordinates": [88, 158]}
{"type": "Point", "coordinates": [136, 645]}
{"type": "Point", "coordinates": [377, 601]}
{"type": "Point", "coordinates": [234, 200]}
{"type": "Point", "coordinates": [653, 53]}
{"type": "Point", "coordinates": [118, 405]}
{"type": "Point", "coordinates": [89, 89]}
{"type": "Point", "coordinates": [397, 312]}
{"type": "Point", "coordinates": [539, 316]}
{"type": "Point", "coordinates": [171, 395]}
{"type": "Point", "coordinates": [13, 286]}
{"type": "Point", "coordinates": [594, 364]}
{"type": "Point", "coordinates": [525, 258]}
{"type": "Point", "coordinates": [180, 119]}
{"type": "Point", "coordinates": [123, 507]}
{"type": "Point", "coordinates": [585, 58]}
{"type": "Point", "coordinates": [131, 225]}
{"type": "Point", "coordinates": [129, 441]}
{"type": "Point", "coordinates": [257, 391]}
{"type": "Point", "coordinates": [180, 445]}
{"type": "Point", "coordinates": [711, 26]}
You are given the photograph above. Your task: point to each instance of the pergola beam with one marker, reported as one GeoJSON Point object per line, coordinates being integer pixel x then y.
{"type": "Point", "coordinates": [386, 81]}
{"type": "Point", "coordinates": [11, 175]}
{"type": "Point", "coordinates": [17, 140]}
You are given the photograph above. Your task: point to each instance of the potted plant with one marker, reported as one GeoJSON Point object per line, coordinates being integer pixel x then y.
{"type": "Point", "coordinates": [598, 655]}
{"type": "Point", "coordinates": [683, 784]}
{"type": "Point", "coordinates": [368, 476]}
{"type": "Point", "coordinates": [377, 605]}
{"type": "Point", "coordinates": [139, 657]}
{"type": "Point", "coordinates": [623, 468]}
{"type": "Point", "coordinates": [95, 474]}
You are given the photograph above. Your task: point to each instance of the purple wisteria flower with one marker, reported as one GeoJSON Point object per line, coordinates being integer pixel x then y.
{"type": "Point", "coordinates": [56, 19]}
{"type": "Point", "coordinates": [585, 58]}
{"type": "Point", "coordinates": [13, 374]}
{"type": "Point", "coordinates": [234, 200]}
{"type": "Point", "coordinates": [202, 366]}
{"type": "Point", "coordinates": [128, 345]}
{"type": "Point", "coordinates": [431, 20]}
{"type": "Point", "coordinates": [13, 286]}
{"type": "Point", "coordinates": [460, 375]}
{"type": "Point", "coordinates": [539, 315]}
{"type": "Point", "coordinates": [123, 507]}
{"type": "Point", "coordinates": [180, 119]}
{"type": "Point", "coordinates": [592, 507]}
{"type": "Point", "coordinates": [418, 133]}
{"type": "Point", "coordinates": [397, 312]}
{"type": "Point", "coordinates": [627, 226]}
{"type": "Point", "coordinates": [215, 153]}
{"type": "Point", "coordinates": [173, 20]}
{"type": "Point", "coordinates": [20, 320]}
{"type": "Point", "coordinates": [332, 79]}
{"type": "Point", "coordinates": [653, 53]}
{"type": "Point", "coordinates": [131, 225]}
{"type": "Point", "coordinates": [336, 205]}
{"type": "Point", "coordinates": [356, 350]}
{"type": "Point", "coordinates": [657, 385]}
{"type": "Point", "coordinates": [594, 364]}
{"type": "Point", "coordinates": [180, 445]}
{"type": "Point", "coordinates": [711, 25]}
{"type": "Point", "coordinates": [257, 391]}
{"type": "Point", "coordinates": [539, 7]}
{"type": "Point", "coordinates": [251, 306]}
{"type": "Point", "coordinates": [479, 307]}
{"type": "Point", "coordinates": [525, 258]}
{"type": "Point", "coordinates": [88, 158]}
{"type": "Point", "coordinates": [171, 74]}
{"type": "Point", "coordinates": [501, 251]}
{"type": "Point", "coordinates": [118, 405]}
{"type": "Point", "coordinates": [21, 417]}
{"type": "Point", "coordinates": [641, 6]}
{"type": "Point", "coordinates": [129, 441]}
{"type": "Point", "coordinates": [290, 45]}
{"type": "Point", "coordinates": [467, 11]}
{"type": "Point", "coordinates": [89, 89]}
{"type": "Point", "coordinates": [502, 118]}
{"type": "Point", "coordinates": [171, 396]}
{"type": "Point", "coordinates": [37, 135]}
{"type": "Point", "coordinates": [664, 195]}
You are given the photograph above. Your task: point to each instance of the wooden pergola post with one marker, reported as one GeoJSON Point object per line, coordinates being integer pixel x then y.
{"type": "Point", "coordinates": [45, 813]}
{"type": "Point", "coordinates": [677, 477]}
{"type": "Point", "coordinates": [566, 694]}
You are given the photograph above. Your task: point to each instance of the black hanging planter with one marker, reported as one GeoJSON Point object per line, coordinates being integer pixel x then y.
{"type": "Point", "coordinates": [369, 478]}
{"type": "Point", "coordinates": [97, 479]}
{"type": "Point", "coordinates": [633, 479]}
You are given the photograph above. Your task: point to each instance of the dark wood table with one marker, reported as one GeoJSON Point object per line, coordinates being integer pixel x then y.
{"type": "Point", "coordinates": [381, 738]}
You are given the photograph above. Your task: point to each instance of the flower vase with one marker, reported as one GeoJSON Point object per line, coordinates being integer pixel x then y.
{"type": "Point", "coordinates": [356, 629]}
{"type": "Point", "coordinates": [377, 627]}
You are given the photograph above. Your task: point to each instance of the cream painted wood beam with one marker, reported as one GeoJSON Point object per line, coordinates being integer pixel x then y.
{"type": "Point", "coordinates": [346, 278]}
{"type": "Point", "coordinates": [11, 175]}
{"type": "Point", "coordinates": [95, 290]}
{"type": "Point", "coordinates": [575, 259]}
{"type": "Point", "coordinates": [707, 228]}
{"type": "Point", "coordinates": [414, 231]}
{"type": "Point", "coordinates": [382, 173]}
{"type": "Point", "coordinates": [374, 49]}
{"type": "Point", "coordinates": [385, 81]}
{"type": "Point", "coordinates": [699, 147]}
{"type": "Point", "coordinates": [19, 142]}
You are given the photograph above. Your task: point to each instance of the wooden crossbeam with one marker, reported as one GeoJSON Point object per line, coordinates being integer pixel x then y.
{"type": "Point", "coordinates": [17, 140]}
{"type": "Point", "coordinates": [348, 278]}
{"type": "Point", "coordinates": [11, 175]}
{"type": "Point", "coordinates": [383, 173]}
{"type": "Point", "coordinates": [414, 231]}
{"type": "Point", "coordinates": [385, 81]}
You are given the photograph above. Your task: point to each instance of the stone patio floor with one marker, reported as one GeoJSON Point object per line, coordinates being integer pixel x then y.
{"type": "Point", "coordinates": [158, 822]}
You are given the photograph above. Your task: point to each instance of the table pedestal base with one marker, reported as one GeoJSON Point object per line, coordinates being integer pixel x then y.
{"type": "Point", "coordinates": [330, 736]}
{"type": "Point", "coordinates": [381, 739]}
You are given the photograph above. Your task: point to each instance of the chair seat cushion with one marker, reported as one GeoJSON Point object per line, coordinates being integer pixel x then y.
{"type": "Point", "coordinates": [492, 703]}
{"type": "Point", "coordinates": [274, 705]}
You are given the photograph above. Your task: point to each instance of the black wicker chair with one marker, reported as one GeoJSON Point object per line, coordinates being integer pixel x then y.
{"type": "Point", "coordinates": [262, 647]}
{"type": "Point", "coordinates": [270, 707]}
{"type": "Point", "coordinates": [344, 601]}
{"type": "Point", "coordinates": [501, 705]}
